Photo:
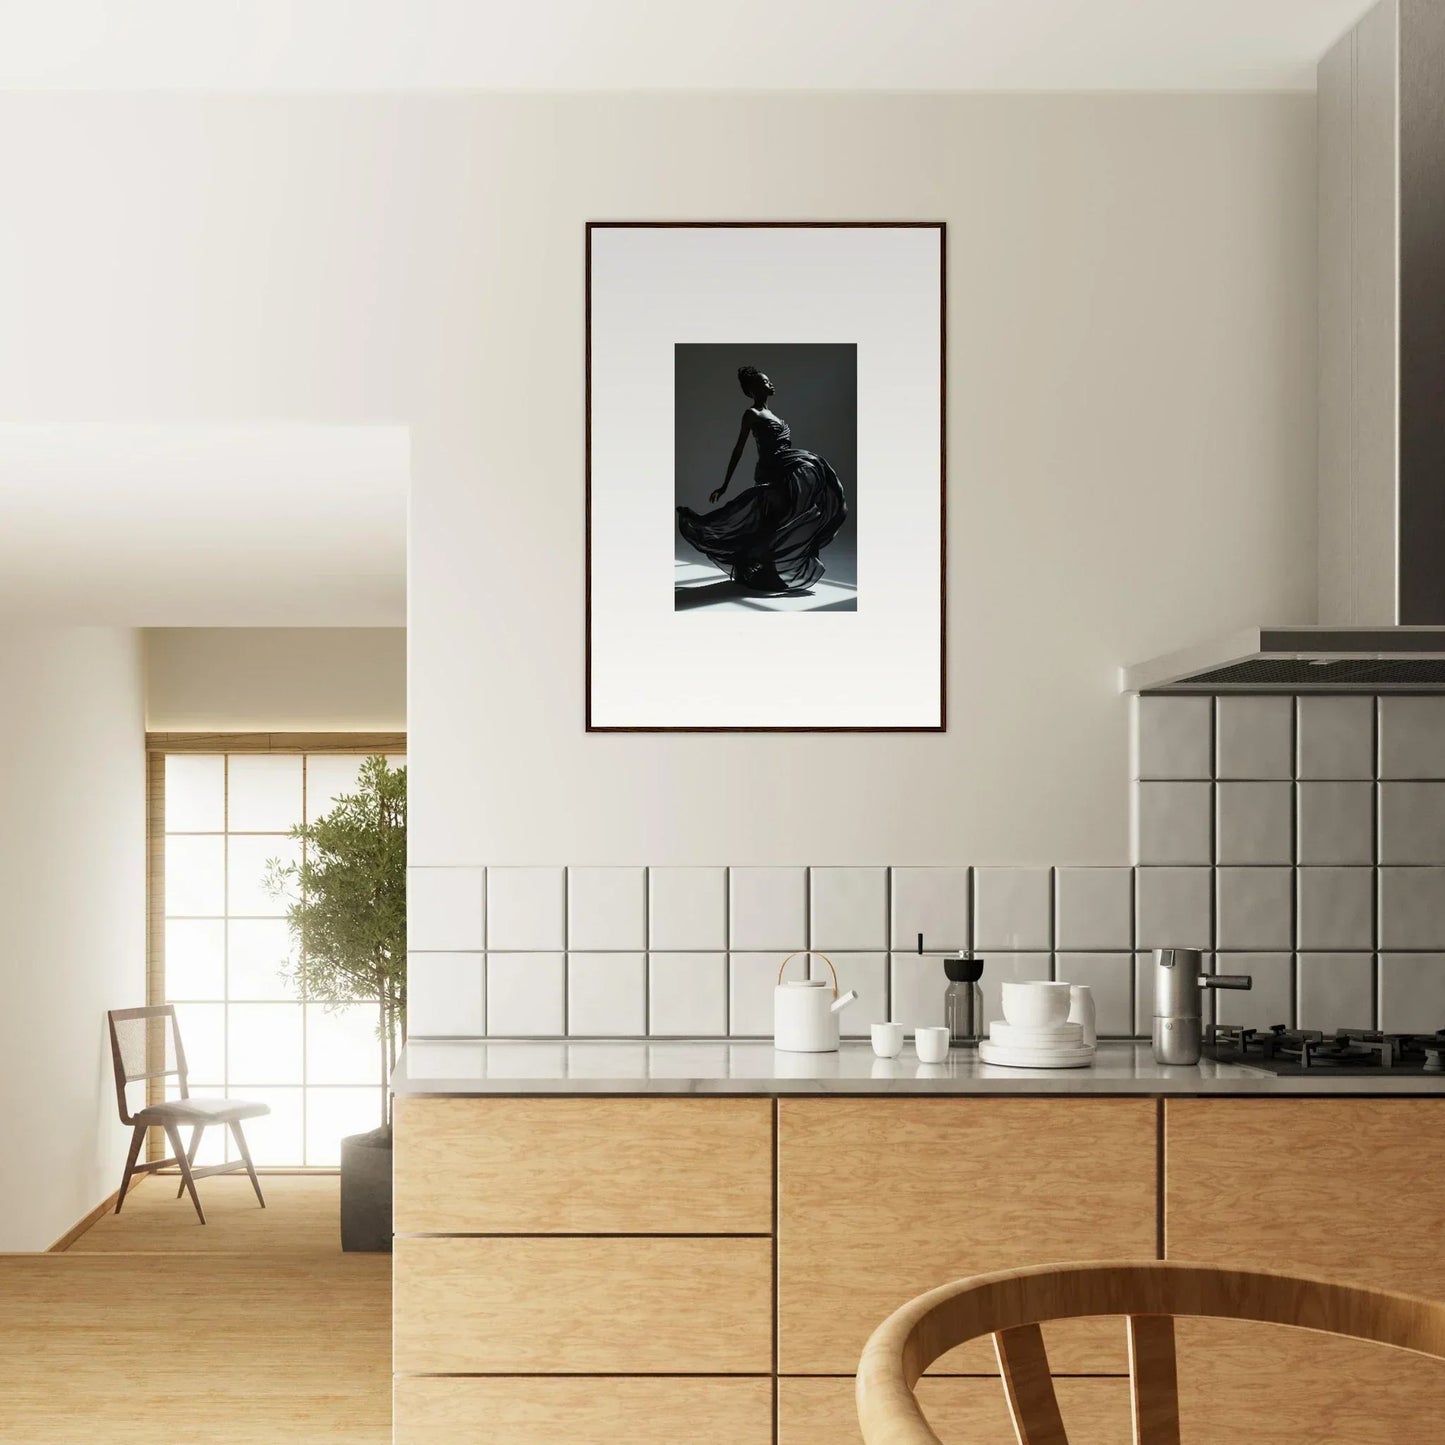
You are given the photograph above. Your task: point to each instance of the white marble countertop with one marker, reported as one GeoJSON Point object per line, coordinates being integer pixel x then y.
{"type": "Point", "coordinates": [724, 1066]}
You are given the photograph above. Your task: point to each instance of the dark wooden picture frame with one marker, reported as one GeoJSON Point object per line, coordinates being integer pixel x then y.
{"type": "Point", "coordinates": [942, 228]}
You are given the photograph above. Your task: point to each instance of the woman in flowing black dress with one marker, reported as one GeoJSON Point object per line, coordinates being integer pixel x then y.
{"type": "Point", "coordinates": [768, 538]}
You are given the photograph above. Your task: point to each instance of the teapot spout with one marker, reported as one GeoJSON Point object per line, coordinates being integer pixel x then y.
{"type": "Point", "coordinates": [844, 1000]}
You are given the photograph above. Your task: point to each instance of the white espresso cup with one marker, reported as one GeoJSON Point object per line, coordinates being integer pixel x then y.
{"type": "Point", "coordinates": [931, 1044]}
{"type": "Point", "coordinates": [887, 1040]}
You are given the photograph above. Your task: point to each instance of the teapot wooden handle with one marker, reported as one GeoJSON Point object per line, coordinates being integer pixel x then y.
{"type": "Point", "coordinates": [810, 953]}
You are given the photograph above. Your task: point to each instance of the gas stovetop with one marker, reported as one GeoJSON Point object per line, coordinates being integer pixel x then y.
{"type": "Point", "coordinates": [1283, 1051]}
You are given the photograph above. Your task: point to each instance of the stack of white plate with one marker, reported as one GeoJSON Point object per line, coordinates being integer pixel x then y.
{"type": "Point", "coordinates": [1035, 1033]}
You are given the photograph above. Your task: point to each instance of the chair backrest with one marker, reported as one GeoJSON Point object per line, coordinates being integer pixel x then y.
{"type": "Point", "coordinates": [145, 1043]}
{"type": "Point", "coordinates": [1011, 1305]}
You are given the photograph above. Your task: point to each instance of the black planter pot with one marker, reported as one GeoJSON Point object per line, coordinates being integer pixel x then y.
{"type": "Point", "coordinates": [366, 1192]}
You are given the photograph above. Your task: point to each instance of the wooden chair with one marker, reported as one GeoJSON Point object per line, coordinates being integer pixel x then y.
{"type": "Point", "coordinates": [145, 1043]}
{"type": "Point", "coordinates": [1011, 1305]}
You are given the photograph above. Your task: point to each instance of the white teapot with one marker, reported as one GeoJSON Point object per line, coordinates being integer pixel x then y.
{"type": "Point", "coordinates": [805, 1011]}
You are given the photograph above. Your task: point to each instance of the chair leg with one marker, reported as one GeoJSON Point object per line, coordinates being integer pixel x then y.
{"type": "Point", "coordinates": [191, 1154]}
{"type": "Point", "coordinates": [174, 1135]}
{"type": "Point", "coordinates": [137, 1138]}
{"type": "Point", "coordinates": [246, 1155]}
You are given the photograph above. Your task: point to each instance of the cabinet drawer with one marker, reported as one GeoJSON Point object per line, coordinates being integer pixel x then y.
{"type": "Point", "coordinates": [822, 1412]}
{"type": "Point", "coordinates": [879, 1200]}
{"type": "Point", "coordinates": [583, 1306]}
{"type": "Point", "coordinates": [583, 1166]}
{"type": "Point", "coordinates": [596, 1411]}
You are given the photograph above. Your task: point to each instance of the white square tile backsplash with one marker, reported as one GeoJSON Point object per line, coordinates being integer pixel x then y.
{"type": "Point", "coordinates": [526, 908]}
{"type": "Point", "coordinates": [768, 908]}
{"type": "Point", "coordinates": [1336, 824]}
{"type": "Point", "coordinates": [607, 995]}
{"type": "Point", "coordinates": [1412, 823]}
{"type": "Point", "coordinates": [445, 909]}
{"type": "Point", "coordinates": [1254, 737]}
{"type": "Point", "coordinates": [1336, 991]}
{"type": "Point", "coordinates": [446, 995]}
{"type": "Point", "coordinates": [1094, 908]}
{"type": "Point", "coordinates": [526, 994]}
{"type": "Point", "coordinates": [1172, 824]}
{"type": "Point", "coordinates": [688, 908]}
{"type": "Point", "coordinates": [1335, 737]}
{"type": "Point", "coordinates": [1254, 823]}
{"type": "Point", "coordinates": [933, 902]}
{"type": "Point", "coordinates": [1173, 737]}
{"type": "Point", "coordinates": [688, 994]}
{"type": "Point", "coordinates": [1412, 737]}
{"type": "Point", "coordinates": [848, 908]}
{"type": "Point", "coordinates": [1013, 908]}
{"type": "Point", "coordinates": [1255, 908]}
{"type": "Point", "coordinates": [1323, 840]}
{"type": "Point", "coordinates": [607, 908]}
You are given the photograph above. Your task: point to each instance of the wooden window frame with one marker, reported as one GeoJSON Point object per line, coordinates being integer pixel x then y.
{"type": "Point", "coordinates": [157, 746]}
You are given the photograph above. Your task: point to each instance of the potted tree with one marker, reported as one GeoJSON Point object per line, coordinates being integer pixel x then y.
{"type": "Point", "coordinates": [346, 907]}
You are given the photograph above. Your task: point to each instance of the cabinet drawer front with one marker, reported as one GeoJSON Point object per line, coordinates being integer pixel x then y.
{"type": "Point", "coordinates": [583, 1166]}
{"type": "Point", "coordinates": [879, 1200]}
{"type": "Point", "coordinates": [1242, 1382]}
{"type": "Point", "coordinates": [583, 1306]}
{"type": "Point", "coordinates": [822, 1411]}
{"type": "Point", "coordinates": [1350, 1189]}
{"type": "Point", "coordinates": [595, 1411]}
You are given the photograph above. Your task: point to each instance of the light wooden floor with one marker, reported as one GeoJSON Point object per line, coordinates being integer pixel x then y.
{"type": "Point", "coordinates": [254, 1328]}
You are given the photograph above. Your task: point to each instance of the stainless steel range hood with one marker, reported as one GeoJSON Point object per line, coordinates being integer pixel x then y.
{"type": "Point", "coordinates": [1381, 500]}
{"type": "Point", "coordinates": [1302, 659]}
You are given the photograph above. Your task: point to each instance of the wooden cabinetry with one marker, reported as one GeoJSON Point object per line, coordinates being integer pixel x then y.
{"type": "Point", "coordinates": [1350, 1189]}
{"type": "Point", "coordinates": [970, 1410]}
{"type": "Point", "coordinates": [593, 1411]}
{"type": "Point", "coordinates": [552, 1254]}
{"type": "Point", "coordinates": [584, 1306]}
{"type": "Point", "coordinates": [603, 1271]}
{"type": "Point", "coordinates": [584, 1166]}
{"type": "Point", "coordinates": [881, 1199]}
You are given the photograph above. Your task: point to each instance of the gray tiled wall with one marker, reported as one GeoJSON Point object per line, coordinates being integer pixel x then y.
{"type": "Point", "coordinates": [1302, 839]}
{"type": "Point", "coordinates": [1298, 840]}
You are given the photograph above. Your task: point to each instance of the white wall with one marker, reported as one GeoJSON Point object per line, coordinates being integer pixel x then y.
{"type": "Point", "coordinates": [72, 896]}
{"type": "Point", "coordinates": [1131, 411]}
{"type": "Point", "coordinates": [289, 679]}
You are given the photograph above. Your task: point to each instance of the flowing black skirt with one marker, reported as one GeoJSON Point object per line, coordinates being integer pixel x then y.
{"type": "Point", "coordinates": [769, 537]}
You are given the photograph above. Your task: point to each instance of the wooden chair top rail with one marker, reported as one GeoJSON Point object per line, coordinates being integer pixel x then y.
{"type": "Point", "coordinates": [1011, 1304]}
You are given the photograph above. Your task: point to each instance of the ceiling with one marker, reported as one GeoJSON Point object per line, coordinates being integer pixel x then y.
{"type": "Point", "coordinates": [347, 45]}
{"type": "Point", "coordinates": [226, 526]}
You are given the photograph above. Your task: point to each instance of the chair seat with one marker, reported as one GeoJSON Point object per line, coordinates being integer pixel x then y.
{"type": "Point", "coordinates": [201, 1111]}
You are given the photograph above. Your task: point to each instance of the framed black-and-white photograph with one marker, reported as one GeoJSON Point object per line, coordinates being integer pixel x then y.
{"type": "Point", "coordinates": [765, 476]}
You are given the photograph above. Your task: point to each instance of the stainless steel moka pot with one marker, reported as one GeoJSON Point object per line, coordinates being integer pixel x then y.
{"type": "Point", "coordinates": [1179, 984]}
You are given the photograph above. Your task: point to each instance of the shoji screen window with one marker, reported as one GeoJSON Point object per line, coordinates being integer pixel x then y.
{"type": "Point", "coordinates": [231, 968]}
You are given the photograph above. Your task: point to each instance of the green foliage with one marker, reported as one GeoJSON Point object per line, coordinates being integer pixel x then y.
{"type": "Point", "coordinates": [346, 901]}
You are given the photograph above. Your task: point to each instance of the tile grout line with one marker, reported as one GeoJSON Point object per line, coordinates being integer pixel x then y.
{"type": "Point", "coordinates": [1294, 931]}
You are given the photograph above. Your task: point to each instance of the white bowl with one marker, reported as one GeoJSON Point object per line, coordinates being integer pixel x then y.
{"type": "Point", "coordinates": [1035, 1005]}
